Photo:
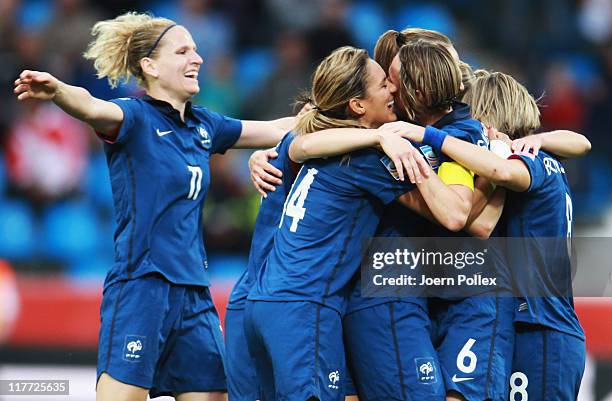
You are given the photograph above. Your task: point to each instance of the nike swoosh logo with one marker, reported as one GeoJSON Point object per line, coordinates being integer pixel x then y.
{"type": "Point", "coordinates": [461, 379]}
{"type": "Point", "coordinates": [162, 133]}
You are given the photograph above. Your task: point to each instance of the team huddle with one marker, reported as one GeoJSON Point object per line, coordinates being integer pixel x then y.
{"type": "Point", "coordinates": [411, 143]}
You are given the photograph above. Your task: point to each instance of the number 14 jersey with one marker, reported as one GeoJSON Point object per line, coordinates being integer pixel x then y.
{"type": "Point", "coordinates": [334, 205]}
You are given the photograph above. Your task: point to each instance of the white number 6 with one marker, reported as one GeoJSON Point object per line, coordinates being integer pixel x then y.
{"type": "Point", "coordinates": [466, 352]}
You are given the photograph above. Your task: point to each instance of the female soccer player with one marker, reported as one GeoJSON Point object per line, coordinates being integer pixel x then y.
{"type": "Point", "coordinates": [376, 329]}
{"type": "Point", "coordinates": [333, 205]}
{"type": "Point", "coordinates": [160, 332]}
{"type": "Point", "coordinates": [539, 206]}
{"type": "Point", "coordinates": [243, 384]}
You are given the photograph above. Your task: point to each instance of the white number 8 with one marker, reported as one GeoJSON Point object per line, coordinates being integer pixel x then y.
{"type": "Point", "coordinates": [519, 389]}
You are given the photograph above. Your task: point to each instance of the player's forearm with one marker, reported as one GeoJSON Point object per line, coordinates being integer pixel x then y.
{"type": "Point", "coordinates": [331, 142]}
{"type": "Point", "coordinates": [414, 201]}
{"type": "Point", "coordinates": [76, 101]}
{"type": "Point", "coordinates": [483, 190]}
{"type": "Point", "coordinates": [446, 206]}
{"type": "Point", "coordinates": [103, 116]}
{"type": "Point", "coordinates": [483, 225]}
{"type": "Point", "coordinates": [285, 124]}
{"type": "Point", "coordinates": [260, 134]}
{"type": "Point", "coordinates": [564, 143]}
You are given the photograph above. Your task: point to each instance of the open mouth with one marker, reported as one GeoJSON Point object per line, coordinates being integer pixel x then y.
{"type": "Point", "coordinates": [191, 75]}
{"type": "Point", "coordinates": [390, 105]}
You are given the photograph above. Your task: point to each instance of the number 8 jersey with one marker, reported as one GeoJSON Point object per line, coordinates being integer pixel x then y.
{"type": "Point", "coordinates": [159, 175]}
{"type": "Point", "coordinates": [333, 206]}
{"type": "Point", "coordinates": [540, 220]}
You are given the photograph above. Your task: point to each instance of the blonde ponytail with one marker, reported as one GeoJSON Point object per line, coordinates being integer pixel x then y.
{"type": "Point", "coordinates": [120, 43]}
{"type": "Point", "coordinates": [340, 77]}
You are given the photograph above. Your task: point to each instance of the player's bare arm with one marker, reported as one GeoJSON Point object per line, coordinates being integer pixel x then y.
{"type": "Point", "coordinates": [104, 117]}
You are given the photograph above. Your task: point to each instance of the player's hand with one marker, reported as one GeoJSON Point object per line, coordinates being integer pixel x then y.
{"type": "Point", "coordinates": [529, 144]}
{"type": "Point", "coordinates": [409, 131]}
{"type": "Point", "coordinates": [493, 134]}
{"type": "Point", "coordinates": [404, 156]}
{"type": "Point", "coordinates": [265, 177]}
{"type": "Point", "coordinates": [36, 85]}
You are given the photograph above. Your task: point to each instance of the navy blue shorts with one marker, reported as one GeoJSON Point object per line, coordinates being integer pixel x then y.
{"type": "Point", "coordinates": [242, 383]}
{"type": "Point", "coordinates": [390, 354]}
{"type": "Point", "coordinates": [548, 365]}
{"type": "Point", "coordinates": [474, 338]}
{"type": "Point", "coordinates": [298, 350]}
{"type": "Point", "coordinates": [161, 336]}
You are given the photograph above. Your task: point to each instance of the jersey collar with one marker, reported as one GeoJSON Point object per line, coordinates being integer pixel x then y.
{"type": "Point", "coordinates": [461, 111]}
{"type": "Point", "coordinates": [167, 109]}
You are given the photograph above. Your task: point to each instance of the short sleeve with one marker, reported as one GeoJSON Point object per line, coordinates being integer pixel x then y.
{"type": "Point", "coordinates": [375, 174]}
{"type": "Point", "coordinates": [536, 168]}
{"type": "Point", "coordinates": [132, 111]}
{"type": "Point", "coordinates": [225, 131]}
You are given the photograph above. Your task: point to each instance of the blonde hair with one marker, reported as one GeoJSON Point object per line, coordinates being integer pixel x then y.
{"type": "Point", "coordinates": [467, 77]}
{"type": "Point", "coordinates": [389, 43]}
{"type": "Point", "coordinates": [340, 77]}
{"type": "Point", "coordinates": [121, 43]}
{"type": "Point", "coordinates": [499, 101]}
{"type": "Point", "coordinates": [430, 69]}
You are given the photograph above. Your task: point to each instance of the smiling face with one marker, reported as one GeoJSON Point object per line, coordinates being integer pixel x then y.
{"type": "Point", "coordinates": [378, 101]}
{"type": "Point", "coordinates": [176, 65]}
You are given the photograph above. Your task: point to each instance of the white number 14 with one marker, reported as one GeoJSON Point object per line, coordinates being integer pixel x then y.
{"type": "Point", "coordinates": [294, 205]}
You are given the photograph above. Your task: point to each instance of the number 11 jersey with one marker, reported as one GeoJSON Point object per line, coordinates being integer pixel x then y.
{"type": "Point", "coordinates": [159, 174]}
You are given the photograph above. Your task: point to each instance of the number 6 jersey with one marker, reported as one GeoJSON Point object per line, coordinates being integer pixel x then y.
{"type": "Point", "coordinates": [159, 175]}
{"type": "Point", "coordinates": [334, 205]}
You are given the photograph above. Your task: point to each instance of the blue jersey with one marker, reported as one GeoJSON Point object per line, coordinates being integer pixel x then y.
{"type": "Point", "coordinates": [398, 221]}
{"type": "Point", "coordinates": [335, 204]}
{"type": "Point", "coordinates": [269, 216]}
{"type": "Point", "coordinates": [159, 177]}
{"type": "Point", "coordinates": [544, 211]}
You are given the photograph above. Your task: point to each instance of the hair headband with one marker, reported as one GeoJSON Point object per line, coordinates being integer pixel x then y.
{"type": "Point", "coordinates": [161, 35]}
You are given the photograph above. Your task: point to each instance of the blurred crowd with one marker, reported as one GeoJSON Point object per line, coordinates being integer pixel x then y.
{"type": "Point", "coordinates": [55, 201]}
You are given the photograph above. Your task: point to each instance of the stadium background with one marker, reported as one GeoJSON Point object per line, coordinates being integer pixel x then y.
{"type": "Point", "coordinates": [56, 217]}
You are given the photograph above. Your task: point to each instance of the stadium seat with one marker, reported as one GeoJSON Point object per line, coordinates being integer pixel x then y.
{"type": "Point", "coordinates": [97, 182]}
{"type": "Point", "coordinates": [17, 230]}
{"type": "Point", "coordinates": [428, 16]}
{"type": "Point", "coordinates": [254, 66]}
{"type": "Point", "coordinates": [70, 231]}
{"type": "Point", "coordinates": [34, 15]}
{"type": "Point", "coordinates": [366, 21]}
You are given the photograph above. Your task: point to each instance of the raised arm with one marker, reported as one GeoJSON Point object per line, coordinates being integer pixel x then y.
{"type": "Point", "coordinates": [338, 141]}
{"type": "Point", "coordinates": [263, 134]}
{"type": "Point", "coordinates": [104, 117]}
{"type": "Point", "coordinates": [563, 143]}
{"type": "Point", "coordinates": [511, 173]}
